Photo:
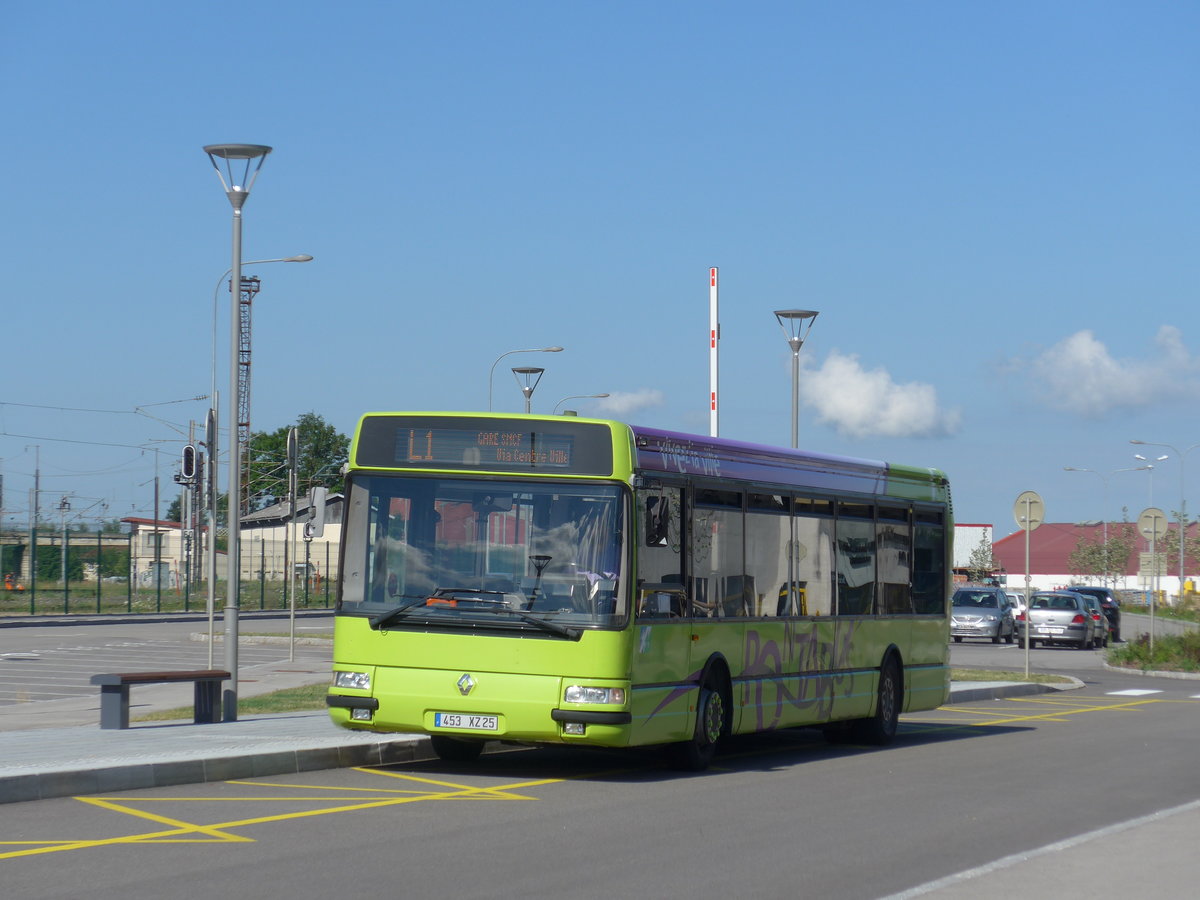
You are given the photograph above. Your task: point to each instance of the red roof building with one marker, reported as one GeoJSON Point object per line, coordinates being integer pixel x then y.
{"type": "Point", "coordinates": [1051, 545]}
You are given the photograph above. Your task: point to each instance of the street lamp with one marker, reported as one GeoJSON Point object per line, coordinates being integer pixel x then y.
{"type": "Point", "coordinates": [1182, 500]}
{"type": "Point", "coordinates": [527, 380]}
{"type": "Point", "coordinates": [492, 371]}
{"type": "Point", "coordinates": [249, 158]}
{"type": "Point", "coordinates": [1150, 466]}
{"type": "Point", "coordinates": [64, 507]}
{"type": "Point", "coordinates": [796, 324]}
{"type": "Point", "coordinates": [578, 397]}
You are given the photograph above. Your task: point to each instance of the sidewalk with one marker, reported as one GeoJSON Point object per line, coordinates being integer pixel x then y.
{"type": "Point", "coordinates": [38, 762]}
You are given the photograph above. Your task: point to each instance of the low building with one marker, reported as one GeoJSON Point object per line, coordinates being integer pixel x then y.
{"type": "Point", "coordinates": [1052, 543]}
{"type": "Point", "coordinates": [270, 546]}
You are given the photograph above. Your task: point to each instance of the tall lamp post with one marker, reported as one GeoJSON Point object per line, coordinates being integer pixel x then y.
{"type": "Point", "coordinates": [249, 159]}
{"type": "Point", "coordinates": [1183, 522]}
{"type": "Point", "coordinates": [527, 380]}
{"type": "Point", "coordinates": [64, 507]}
{"type": "Point", "coordinates": [1150, 465]}
{"type": "Point", "coordinates": [796, 324]}
{"type": "Point", "coordinates": [492, 371]}
{"type": "Point", "coordinates": [577, 397]}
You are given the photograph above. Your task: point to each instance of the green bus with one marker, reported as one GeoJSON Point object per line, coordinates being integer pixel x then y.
{"type": "Point", "coordinates": [562, 580]}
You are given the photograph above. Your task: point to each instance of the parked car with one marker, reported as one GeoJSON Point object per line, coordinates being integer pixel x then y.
{"type": "Point", "coordinates": [1057, 617]}
{"type": "Point", "coordinates": [982, 612]}
{"type": "Point", "coordinates": [1017, 599]}
{"type": "Point", "coordinates": [1101, 638]}
{"type": "Point", "coordinates": [1108, 602]}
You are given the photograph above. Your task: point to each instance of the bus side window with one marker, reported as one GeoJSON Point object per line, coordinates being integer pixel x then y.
{"type": "Point", "coordinates": [660, 605]}
{"type": "Point", "coordinates": [658, 519]}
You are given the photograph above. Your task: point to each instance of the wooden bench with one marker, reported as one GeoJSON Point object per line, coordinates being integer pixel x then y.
{"type": "Point", "coordinates": [114, 693]}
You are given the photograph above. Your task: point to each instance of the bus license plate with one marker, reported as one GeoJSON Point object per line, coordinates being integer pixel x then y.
{"type": "Point", "coordinates": [465, 721]}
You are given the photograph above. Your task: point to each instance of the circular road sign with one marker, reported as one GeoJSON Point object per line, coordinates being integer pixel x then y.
{"type": "Point", "coordinates": [1152, 523]}
{"type": "Point", "coordinates": [1029, 511]}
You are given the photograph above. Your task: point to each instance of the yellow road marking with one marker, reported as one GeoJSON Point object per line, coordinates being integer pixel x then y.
{"type": "Point", "coordinates": [217, 831]}
{"type": "Point", "coordinates": [1055, 709]}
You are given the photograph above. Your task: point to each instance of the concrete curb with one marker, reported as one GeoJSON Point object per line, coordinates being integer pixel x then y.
{"type": "Point", "coordinates": [274, 756]}
{"type": "Point", "coordinates": [135, 776]}
{"type": "Point", "coordinates": [1007, 689]}
{"type": "Point", "coordinates": [1151, 673]}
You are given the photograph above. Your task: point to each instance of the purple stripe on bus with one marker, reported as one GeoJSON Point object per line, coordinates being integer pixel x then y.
{"type": "Point", "coordinates": [676, 453]}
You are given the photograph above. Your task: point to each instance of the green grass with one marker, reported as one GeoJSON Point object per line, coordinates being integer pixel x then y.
{"type": "Point", "coordinates": [298, 699]}
{"type": "Point", "coordinates": [1172, 653]}
{"type": "Point", "coordinates": [999, 675]}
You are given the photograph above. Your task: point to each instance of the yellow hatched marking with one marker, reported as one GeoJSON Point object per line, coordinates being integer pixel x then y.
{"type": "Point", "coordinates": [1062, 710]}
{"type": "Point", "coordinates": [216, 832]}
{"type": "Point", "coordinates": [498, 793]}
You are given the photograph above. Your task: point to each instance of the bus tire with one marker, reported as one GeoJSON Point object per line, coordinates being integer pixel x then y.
{"type": "Point", "coordinates": [712, 723]}
{"type": "Point", "coordinates": [454, 749]}
{"type": "Point", "coordinates": [880, 728]}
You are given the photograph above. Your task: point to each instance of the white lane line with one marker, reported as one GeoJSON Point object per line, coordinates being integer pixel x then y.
{"type": "Point", "coordinates": [1056, 847]}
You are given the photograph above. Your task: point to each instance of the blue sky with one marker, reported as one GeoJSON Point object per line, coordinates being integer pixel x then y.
{"type": "Point", "coordinates": [992, 206]}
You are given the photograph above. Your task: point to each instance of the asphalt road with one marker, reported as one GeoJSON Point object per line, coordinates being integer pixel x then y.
{"type": "Point", "coordinates": [972, 801]}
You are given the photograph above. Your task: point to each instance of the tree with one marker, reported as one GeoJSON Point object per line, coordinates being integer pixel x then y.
{"type": "Point", "coordinates": [1106, 560]}
{"type": "Point", "coordinates": [1167, 546]}
{"type": "Point", "coordinates": [322, 451]}
{"type": "Point", "coordinates": [981, 564]}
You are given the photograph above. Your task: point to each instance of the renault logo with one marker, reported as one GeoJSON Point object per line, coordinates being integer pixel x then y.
{"type": "Point", "coordinates": [465, 684]}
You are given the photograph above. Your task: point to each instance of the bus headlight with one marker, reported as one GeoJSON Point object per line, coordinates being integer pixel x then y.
{"type": "Point", "coordinates": [581, 694]}
{"type": "Point", "coordinates": [356, 681]}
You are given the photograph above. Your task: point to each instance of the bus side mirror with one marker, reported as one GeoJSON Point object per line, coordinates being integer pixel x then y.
{"type": "Point", "coordinates": [315, 527]}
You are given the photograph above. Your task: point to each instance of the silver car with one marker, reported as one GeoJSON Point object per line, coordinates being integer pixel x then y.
{"type": "Point", "coordinates": [1102, 627]}
{"type": "Point", "coordinates": [982, 612]}
{"type": "Point", "coordinates": [1058, 617]}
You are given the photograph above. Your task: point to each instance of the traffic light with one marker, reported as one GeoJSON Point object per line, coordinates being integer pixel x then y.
{"type": "Point", "coordinates": [187, 466]}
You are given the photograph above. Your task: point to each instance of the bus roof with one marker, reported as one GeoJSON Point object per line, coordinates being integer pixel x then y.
{"type": "Point", "coordinates": [672, 452]}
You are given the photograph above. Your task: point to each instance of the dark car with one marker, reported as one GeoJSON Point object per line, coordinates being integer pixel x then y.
{"type": "Point", "coordinates": [984, 612]}
{"type": "Point", "coordinates": [1103, 632]}
{"type": "Point", "coordinates": [1108, 602]}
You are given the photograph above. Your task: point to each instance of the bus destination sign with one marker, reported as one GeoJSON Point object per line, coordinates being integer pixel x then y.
{"type": "Point", "coordinates": [474, 443]}
{"type": "Point", "coordinates": [452, 448]}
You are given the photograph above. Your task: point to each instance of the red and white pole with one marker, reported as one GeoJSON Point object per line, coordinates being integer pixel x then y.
{"type": "Point", "coordinates": [714, 335]}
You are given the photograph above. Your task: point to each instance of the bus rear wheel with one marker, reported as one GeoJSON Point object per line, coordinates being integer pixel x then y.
{"type": "Point", "coordinates": [881, 728]}
{"type": "Point", "coordinates": [454, 749]}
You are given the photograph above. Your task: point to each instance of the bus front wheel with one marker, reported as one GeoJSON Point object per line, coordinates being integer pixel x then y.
{"type": "Point", "coordinates": [455, 750]}
{"type": "Point", "coordinates": [696, 755]}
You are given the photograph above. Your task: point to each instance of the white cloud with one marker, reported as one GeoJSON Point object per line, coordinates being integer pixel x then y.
{"type": "Point", "coordinates": [1079, 375]}
{"type": "Point", "coordinates": [621, 404]}
{"type": "Point", "coordinates": [861, 403]}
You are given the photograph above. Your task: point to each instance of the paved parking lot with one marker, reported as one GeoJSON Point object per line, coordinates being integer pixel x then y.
{"type": "Point", "coordinates": [45, 671]}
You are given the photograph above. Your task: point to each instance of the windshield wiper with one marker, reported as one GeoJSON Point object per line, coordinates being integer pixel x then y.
{"type": "Point", "coordinates": [385, 618]}
{"type": "Point", "coordinates": [553, 627]}
{"type": "Point", "coordinates": [492, 602]}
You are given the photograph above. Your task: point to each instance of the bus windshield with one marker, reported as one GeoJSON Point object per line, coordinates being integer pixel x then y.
{"type": "Point", "coordinates": [511, 555]}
